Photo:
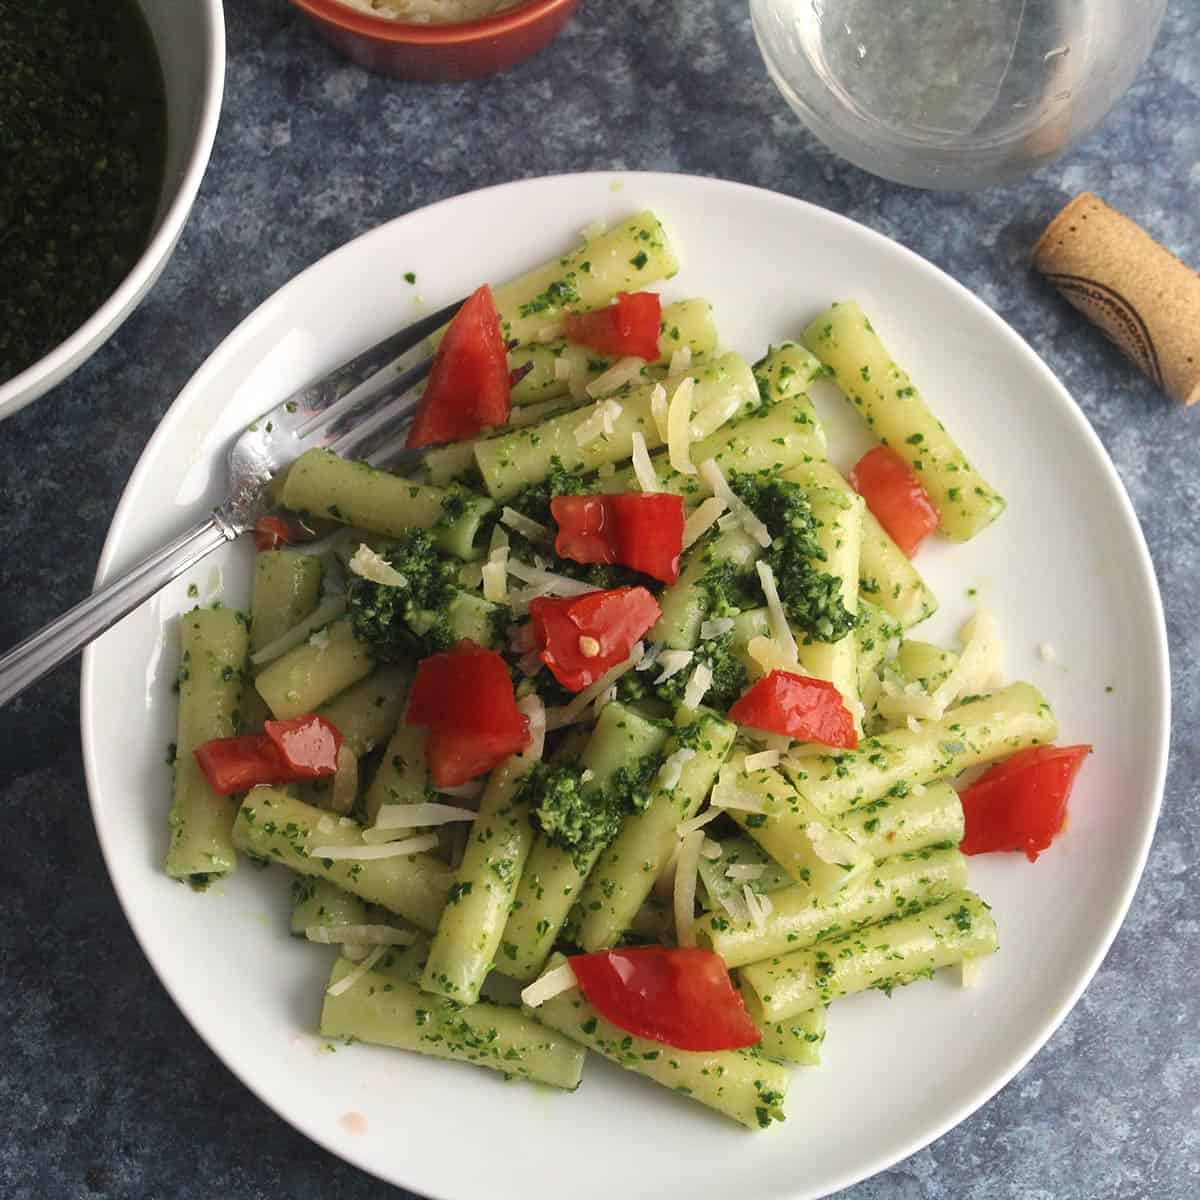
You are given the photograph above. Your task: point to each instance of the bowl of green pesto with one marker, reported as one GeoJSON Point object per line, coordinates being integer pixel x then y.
{"type": "Point", "coordinates": [107, 117]}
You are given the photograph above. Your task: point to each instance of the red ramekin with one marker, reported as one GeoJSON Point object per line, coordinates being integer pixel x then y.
{"type": "Point", "coordinates": [439, 53]}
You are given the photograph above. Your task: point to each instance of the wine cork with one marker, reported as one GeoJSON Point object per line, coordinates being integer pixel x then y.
{"type": "Point", "coordinates": [1143, 298]}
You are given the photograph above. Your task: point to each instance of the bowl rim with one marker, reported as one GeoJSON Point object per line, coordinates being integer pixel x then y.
{"type": "Point", "coordinates": [450, 33]}
{"type": "Point", "coordinates": [52, 368]}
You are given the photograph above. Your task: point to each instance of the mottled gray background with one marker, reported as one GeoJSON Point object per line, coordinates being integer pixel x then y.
{"type": "Point", "coordinates": [104, 1090]}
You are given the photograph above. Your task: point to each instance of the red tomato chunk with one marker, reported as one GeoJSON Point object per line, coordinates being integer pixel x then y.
{"type": "Point", "coordinates": [637, 531]}
{"type": "Point", "coordinates": [308, 745]}
{"type": "Point", "coordinates": [682, 998]}
{"type": "Point", "coordinates": [272, 532]}
{"type": "Point", "coordinates": [581, 637]}
{"type": "Point", "coordinates": [465, 699]}
{"type": "Point", "coordinates": [468, 389]}
{"type": "Point", "coordinates": [798, 706]}
{"type": "Point", "coordinates": [1021, 803]}
{"type": "Point", "coordinates": [629, 327]}
{"type": "Point", "coordinates": [895, 496]}
{"type": "Point", "coordinates": [303, 748]}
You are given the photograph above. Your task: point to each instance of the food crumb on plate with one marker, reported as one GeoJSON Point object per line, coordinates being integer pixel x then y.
{"type": "Point", "coordinates": [353, 1122]}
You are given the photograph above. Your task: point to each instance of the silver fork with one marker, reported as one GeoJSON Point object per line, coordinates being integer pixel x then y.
{"type": "Point", "coordinates": [359, 410]}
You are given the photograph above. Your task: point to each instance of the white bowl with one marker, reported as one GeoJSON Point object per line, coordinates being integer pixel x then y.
{"type": "Point", "coordinates": [189, 36]}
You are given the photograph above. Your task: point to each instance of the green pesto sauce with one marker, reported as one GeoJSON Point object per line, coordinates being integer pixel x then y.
{"type": "Point", "coordinates": [82, 139]}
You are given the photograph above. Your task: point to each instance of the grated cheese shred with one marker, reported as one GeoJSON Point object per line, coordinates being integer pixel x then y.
{"type": "Point", "coordinates": [701, 519]}
{"type": "Point", "coordinates": [711, 473]}
{"type": "Point", "coordinates": [367, 564]}
{"type": "Point", "coordinates": [643, 467]}
{"type": "Point", "coordinates": [553, 983]}
{"type": "Point", "coordinates": [679, 416]}
{"type": "Point", "coordinates": [344, 984]}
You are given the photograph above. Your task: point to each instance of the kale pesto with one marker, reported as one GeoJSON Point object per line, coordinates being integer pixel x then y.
{"type": "Point", "coordinates": [83, 113]}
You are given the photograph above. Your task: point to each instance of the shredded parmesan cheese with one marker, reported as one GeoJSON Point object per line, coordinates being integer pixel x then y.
{"type": "Point", "coordinates": [672, 662]}
{"type": "Point", "coordinates": [328, 610]}
{"type": "Point", "coordinates": [526, 526]}
{"type": "Point", "coordinates": [780, 628]}
{"type": "Point", "coordinates": [977, 667]}
{"type": "Point", "coordinates": [559, 585]}
{"type": "Point", "coordinates": [599, 423]}
{"type": "Point", "coordinates": [415, 845]}
{"type": "Point", "coordinates": [679, 415]}
{"type": "Point", "coordinates": [697, 686]}
{"type": "Point", "coordinates": [555, 981]}
{"type": "Point", "coordinates": [686, 869]}
{"type": "Point", "coordinates": [762, 760]}
{"type": "Point", "coordinates": [698, 822]}
{"type": "Point", "coordinates": [369, 565]}
{"type": "Point", "coordinates": [650, 657]}
{"type": "Point", "coordinates": [414, 816]}
{"type": "Point", "coordinates": [681, 360]}
{"type": "Point", "coordinates": [671, 771]}
{"type": "Point", "coordinates": [715, 627]}
{"type": "Point", "coordinates": [658, 410]}
{"type": "Point", "coordinates": [711, 473]}
{"type": "Point", "coordinates": [344, 984]}
{"type": "Point", "coordinates": [619, 374]}
{"type": "Point", "coordinates": [643, 468]}
{"type": "Point", "coordinates": [562, 369]}
{"type": "Point", "coordinates": [495, 576]}
{"type": "Point", "coordinates": [702, 518]}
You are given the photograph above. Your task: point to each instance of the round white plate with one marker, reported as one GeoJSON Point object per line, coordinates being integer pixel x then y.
{"type": "Point", "coordinates": [1066, 566]}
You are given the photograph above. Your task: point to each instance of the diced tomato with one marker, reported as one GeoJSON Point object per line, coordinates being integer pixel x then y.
{"type": "Point", "coordinates": [581, 637]}
{"type": "Point", "coordinates": [468, 389]}
{"type": "Point", "coordinates": [465, 698]}
{"type": "Point", "coordinates": [798, 706]}
{"type": "Point", "coordinates": [303, 748]}
{"type": "Point", "coordinates": [272, 532]}
{"type": "Point", "coordinates": [638, 531]}
{"type": "Point", "coordinates": [629, 327]}
{"type": "Point", "coordinates": [308, 745]}
{"type": "Point", "coordinates": [456, 757]}
{"type": "Point", "coordinates": [1021, 803]}
{"type": "Point", "coordinates": [895, 496]}
{"type": "Point", "coordinates": [680, 997]}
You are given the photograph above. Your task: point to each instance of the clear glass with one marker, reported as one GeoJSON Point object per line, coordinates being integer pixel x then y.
{"type": "Point", "coordinates": [953, 93]}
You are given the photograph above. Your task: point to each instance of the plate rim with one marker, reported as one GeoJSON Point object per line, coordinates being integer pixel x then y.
{"type": "Point", "coordinates": [1158, 669]}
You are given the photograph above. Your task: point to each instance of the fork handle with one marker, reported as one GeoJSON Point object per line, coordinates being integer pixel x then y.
{"type": "Point", "coordinates": [68, 634]}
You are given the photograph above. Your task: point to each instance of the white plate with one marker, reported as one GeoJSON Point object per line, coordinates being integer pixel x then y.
{"type": "Point", "coordinates": [1067, 565]}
